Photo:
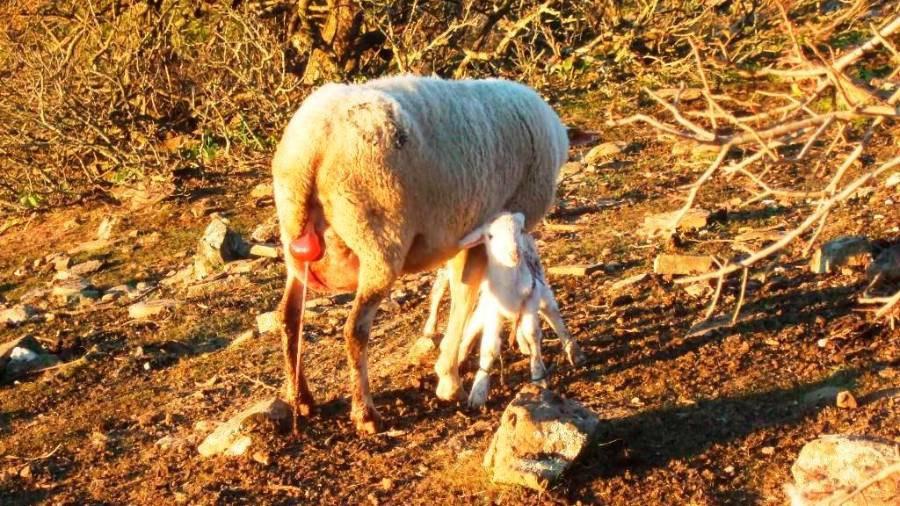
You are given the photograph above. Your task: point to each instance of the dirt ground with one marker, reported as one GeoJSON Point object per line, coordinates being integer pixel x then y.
{"type": "Point", "coordinates": [688, 417]}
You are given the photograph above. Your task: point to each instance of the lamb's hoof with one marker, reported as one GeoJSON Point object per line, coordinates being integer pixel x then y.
{"type": "Point", "coordinates": [367, 420]}
{"type": "Point", "coordinates": [449, 390]}
{"type": "Point", "coordinates": [478, 397]}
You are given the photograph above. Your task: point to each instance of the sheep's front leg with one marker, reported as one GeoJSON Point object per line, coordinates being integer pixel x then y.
{"type": "Point", "coordinates": [550, 312]}
{"type": "Point", "coordinates": [437, 293]}
{"type": "Point", "coordinates": [490, 350]}
{"type": "Point", "coordinates": [296, 388]}
{"type": "Point", "coordinates": [531, 332]}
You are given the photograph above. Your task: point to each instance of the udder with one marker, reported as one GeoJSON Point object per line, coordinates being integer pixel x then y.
{"type": "Point", "coordinates": [337, 269]}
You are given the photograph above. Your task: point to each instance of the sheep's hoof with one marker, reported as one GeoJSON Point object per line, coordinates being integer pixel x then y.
{"type": "Point", "coordinates": [367, 420]}
{"type": "Point", "coordinates": [576, 357]}
{"type": "Point", "coordinates": [449, 390]}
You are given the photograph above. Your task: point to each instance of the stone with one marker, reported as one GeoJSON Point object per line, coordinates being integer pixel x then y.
{"type": "Point", "coordinates": [150, 308]}
{"type": "Point", "coordinates": [845, 400]}
{"type": "Point", "coordinates": [424, 350]}
{"type": "Point", "coordinates": [600, 152]}
{"type": "Point", "coordinates": [23, 360]}
{"type": "Point", "coordinates": [90, 247]}
{"type": "Point", "coordinates": [261, 191]}
{"type": "Point", "coordinates": [220, 244]}
{"type": "Point", "coordinates": [693, 219]}
{"type": "Point", "coordinates": [265, 250]}
{"type": "Point", "coordinates": [630, 280]}
{"type": "Point", "coordinates": [180, 277]}
{"type": "Point", "coordinates": [231, 437]}
{"type": "Point", "coordinates": [574, 270]}
{"type": "Point", "coordinates": [849, 250]}
{"type": "Point", "coordinates": [832, 466]}
{"type": "Point", "coordinates": [892, 180]}
{"type": "Point", "coordinates": [826, 394]}
{"type": "Point", "coordinates": [71, 287]}
{"type": "Point", "coordinates": [24, 342]}
{"type": "Point", "coordinates": [61, 262]}
{"type": "Point", "coordinates": [85, 268]}
{"type": "Point", "coordinates": [105, 229]}
{"type": "Point", "coordinates": [145, 193]}
{"type": "Point", "coordinates": [262, 457]}
{"type": "Point", "coordinates": [683, 95]}
{"type": "Point", "coordinates": [18, 314]}
{"type": "Point", "coordinates": [120, 291]}
{"type": "Point", "coordinates": [75, 291]}
{"type": "Point", "coordinates": [682, 264]}
{"type": "Point", "coordinates": [540, 436]}
{"type": "Point", "coordinates": [267, 322]}
{"type": "Point", "coordinates": [266, 231]}
{"type": "Point", "coordinates": [243, 337]}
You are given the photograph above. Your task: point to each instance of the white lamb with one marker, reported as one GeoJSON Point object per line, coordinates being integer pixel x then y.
{"type": "Point", "coordinates": [514, 288]}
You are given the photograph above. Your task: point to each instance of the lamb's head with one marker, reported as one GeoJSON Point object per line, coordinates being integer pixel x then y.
{"type": "Point", "coordinates": [503, 236]}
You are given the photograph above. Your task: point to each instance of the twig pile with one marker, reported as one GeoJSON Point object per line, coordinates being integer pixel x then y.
{"type": "Point", "coordinates": [790, 134]}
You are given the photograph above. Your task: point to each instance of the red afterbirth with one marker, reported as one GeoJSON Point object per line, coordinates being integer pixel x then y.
{"type": "Point", "coordinates": [307, 247]}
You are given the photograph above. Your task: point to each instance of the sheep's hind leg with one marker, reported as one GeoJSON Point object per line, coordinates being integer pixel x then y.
{"type": "Point", "coordinates": [296, 388]}
{"type": "Point", "coordinates": [550, 311]}
{"type": "Point", "coordinates": [490, 350]}
{"type": "Point", "coordinates": [356, 333]}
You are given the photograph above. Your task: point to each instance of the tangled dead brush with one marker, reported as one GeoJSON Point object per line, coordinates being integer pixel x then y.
{"type": "Point", "coordinates": [828, 120]}
{"type": "Point", "coordinates": [101, 93]}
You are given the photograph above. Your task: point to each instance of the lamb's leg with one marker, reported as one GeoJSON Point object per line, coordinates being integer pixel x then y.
{"type": "Point", "coordinates": [297, 394]}
{"type": "Point", "coordinates": [373, 288]}
{"type": "Point", "coordinates": [476, 324]}
{"type": "Point", "coordinates": [490, 350]}
{"type": "Point", "coordinates": [550, 311]}
{"type": "Point", "coordinates": [464, 273]}
{"type": "Point", "coordinates": [437, 293]}
{"type": "Point", "coordinates": [531, 332]}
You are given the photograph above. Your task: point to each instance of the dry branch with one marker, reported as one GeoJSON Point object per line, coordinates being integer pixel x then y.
{"type": "Point", "coordinates": [766, 138]}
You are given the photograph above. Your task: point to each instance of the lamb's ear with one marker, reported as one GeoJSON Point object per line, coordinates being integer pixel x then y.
{"type": "Point", "coordinates": [520, 219]}
{"type": "Point", "coordinates": [473, 238]}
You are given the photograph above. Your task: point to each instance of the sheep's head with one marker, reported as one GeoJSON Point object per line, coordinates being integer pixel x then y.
{"type": "Point", "coordinates": [503, 237]}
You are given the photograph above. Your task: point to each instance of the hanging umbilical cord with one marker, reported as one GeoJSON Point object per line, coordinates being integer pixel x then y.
{"type": "Point", "coordinates": [299, 341]}
{"type": "Point", "coordinates": [307, 249]}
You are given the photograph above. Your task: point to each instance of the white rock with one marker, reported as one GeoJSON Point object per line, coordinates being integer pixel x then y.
{"type": "Point", "coordinates": [832, 466]}
{"type": "Point", "coordinates": [264, 250]}
{"type": "Point", "coordinates": [150, 308]}
{"type": "Point", "coordinates": [841, 251]}
{"type": "Point", "coordinates": [105, 229]}
{"type": "Point", "coordinates": [20, 354]}
{"type": "Point", "coordinates": [603, 151]}
{"type": "Point", "coordinates": [220, 244]}
{"type": "Point", "coordinates": [85, 268]}
{"type": "Point", "coordinates": [17, 314]}
{"type": "Point", "coordinates": [267, 322]}
{"type": "Point", "coordinates": [261, 191]}
{"type": "Point", "coordinates": [422, 351]}
{"type": "Point", "coordinates": [540, 436]}
{"type": "Point", "coordinates": [230, 438]}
